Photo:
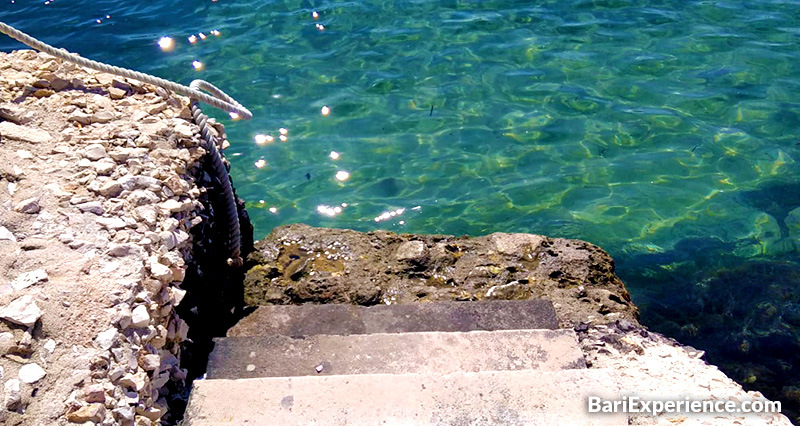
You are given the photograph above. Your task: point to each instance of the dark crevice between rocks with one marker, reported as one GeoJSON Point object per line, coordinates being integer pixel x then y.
{"type": "Point", "coordinates": [215, 291]}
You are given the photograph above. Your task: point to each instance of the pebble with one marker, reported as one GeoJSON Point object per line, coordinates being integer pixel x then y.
{"type": "Point", "coordinates": [140, 317]}
{"type": "Point", "coordinates": [7, 342]}
{"type": "Point", "coordinates": [50, 346]}
{"type": "Point", "coordinates": [150, 362]}
{"type": "Point", "coordinates": [110, 189]}
{"type": "Point", "coordinates": [172, 206]}
{"type": "Point", "coordinates": [111, 223]}
{"type": "Point", "coordinates": [59, 84]}
{"type": "Point", "coordinates": [88, 413]}
{"type": "Point", "coordinates": [124, 413]}
{"type": "Point", "coordinates": [95, 207]}
{"type": "Point", "coordinates": [29, 206]}
{"type": "Point", "coordinates": [13, 395]}
{"type": "Point", "coordinates": [94, 393]}
{"type": "Point", "coordinates": [105, 339]}
{"type": "Point", "coordinates": [134, 381]}
{"type": "Point", "coordinates": [95, 152]}
{"type": "Point", "coordinates": [31, 373]}
{"type": "Point", "coordinates": [102, 117]}
{"type": "Point", "coordinates": [116, 93]}
{"type": "Point", "coordinates": [80, 117]}
{"type": "Point", "coordinates": [142, 197]}
{"type": "Point", "coordinates": [22, 310]}
{"type": "Point", "coordinates": [29, 278]}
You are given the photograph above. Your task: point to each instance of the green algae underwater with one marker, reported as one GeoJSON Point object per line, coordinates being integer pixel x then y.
{"type": "Point", "coordinates": [664, 132]}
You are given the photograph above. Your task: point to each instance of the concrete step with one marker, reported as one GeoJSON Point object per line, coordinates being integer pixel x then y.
{"type": "Point", "coordinates": [340, 319]}
{"type": "Point", "coordinates": [528, 397]}
{"type": "Point", "coordinates": [426, 352]}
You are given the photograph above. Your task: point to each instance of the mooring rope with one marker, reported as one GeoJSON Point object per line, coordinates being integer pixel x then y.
{"type": "Point", "coordinates": [219, 100]}
{"type": "Point", "coordinates": [221, 171]}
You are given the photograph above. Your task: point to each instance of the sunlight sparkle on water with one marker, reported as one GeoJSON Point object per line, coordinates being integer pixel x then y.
{"type": "Point", "coordinates": [192, 39]}
{"type": "Point", "coordinates": [342, 175]}
{"type": "Point", "coordinates": [261, 163]}
{"type": "Point", "coordinates": [263, 139]}
{"type": "Point", "coordinates": [390, 214]}
{"type": "Point", "coordinates": [328, 210]}
{"type": "Point", "coordinates": [334, 155]}
{"type": "Point", "coordinates": [197, 65]}
{"type": "Point", "coordinates": [166, 43]}
{"type": "Point", "coordinates": [325, 111]}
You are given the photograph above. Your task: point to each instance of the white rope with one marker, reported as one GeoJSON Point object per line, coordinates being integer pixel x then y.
{"type": "Point", "coordinates": [221, 101]}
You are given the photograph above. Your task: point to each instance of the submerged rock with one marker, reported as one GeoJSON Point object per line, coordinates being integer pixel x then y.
{"type": "Point", "coordinates": [298, 264]}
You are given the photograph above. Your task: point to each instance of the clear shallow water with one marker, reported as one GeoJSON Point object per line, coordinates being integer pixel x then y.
{"type": "Point", "coordinates": [665, 132]}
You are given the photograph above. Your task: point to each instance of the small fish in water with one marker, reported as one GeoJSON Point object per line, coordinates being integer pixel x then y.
{"type": "Point", "coordinates": [308, 176]}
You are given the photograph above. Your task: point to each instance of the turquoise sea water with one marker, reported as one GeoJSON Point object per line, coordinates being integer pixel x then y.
{"type": "Point", "coordinates": [664, 131]}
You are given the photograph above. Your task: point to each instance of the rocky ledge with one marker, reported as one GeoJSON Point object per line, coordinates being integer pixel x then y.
{"type": "Point", "coordinates": [102, 197]}
{"type": "Point", "coordinates": [298, 263]}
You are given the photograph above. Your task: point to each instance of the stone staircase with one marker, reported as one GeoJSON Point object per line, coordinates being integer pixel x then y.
{"type": "Point", "coordinates": [448, 363]}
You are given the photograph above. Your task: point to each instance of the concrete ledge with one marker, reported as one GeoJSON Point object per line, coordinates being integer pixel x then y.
{"type": "Point", "coordinates": [342, 319]}
{"type": "Point", "coordinates": [530, 397]}
{"type": "Point", "coordinates": [431, 352]}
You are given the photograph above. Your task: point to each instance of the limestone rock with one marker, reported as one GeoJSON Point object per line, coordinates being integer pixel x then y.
{"type": "Point", "coordinates": [102, 117]}
{"type": "Point", "coordinates": [31, 373]}
{"type": "Point", "coordinates": [29, 278]}
{"type": "Point", "coordinates": [22, 133]}
{"type": "Point", "coordinates": [175, 206]}
{"type": "Point", "coordinates": [29, 206]}
{"type": "Point", "coordinates": [410, 250]}
{"type": "Point", "coordinates": [134, 381]}
{"type": "Point", "coordinates": [111, 223]}
{"type": "Point", "coordinates": [110, 189]}
{"type": "Point", "coordinates": [95, 152]}
{"type": "Point", "coordinates": [116, 93]}
{"type": "Point", "coordinates": [140, 317]}
{"type": "Point", "coordinates": [94, 393]}
{"type": "Point", "coordinates": [515, 243]}
{"type": "Point", "coordinates": [13, 395]}
{"type": "Point", "coordinates": [106, 339]}
{"type": "Point", "coordinates": [95, 207]}
{"type": "Point", "coordinates": [7, 342]}
{"type": "Point", "coordinates": [161, 272]}
{"type": "Point", "coordinates": [13, 113]}
{"type": "Point", "coordinates": [126, 413]}
{"type": "Point", "coordinates": [5, 234]}
{"type": "Point", "coordinates": [150, 362]}
{"type": "Point", "coordinates": [22, 310]}
{"type": "Point", "coordinates": [80, 117]}
{"type": "Point", "coordinates": [88, 413]}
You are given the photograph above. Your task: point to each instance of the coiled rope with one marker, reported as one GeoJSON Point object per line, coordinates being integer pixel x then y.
{"type": "Point", "coordinates": [219, 100]}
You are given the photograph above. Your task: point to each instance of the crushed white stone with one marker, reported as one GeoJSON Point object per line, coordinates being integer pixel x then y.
{"type": "Point", "coordinates": [31, 373]}
{"type": "Point", "coordinates": [5, 234]}
{"type": "Point", "coordinates": [29, 278]}
{"type": "Point", "coordinates": [22, 310]}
